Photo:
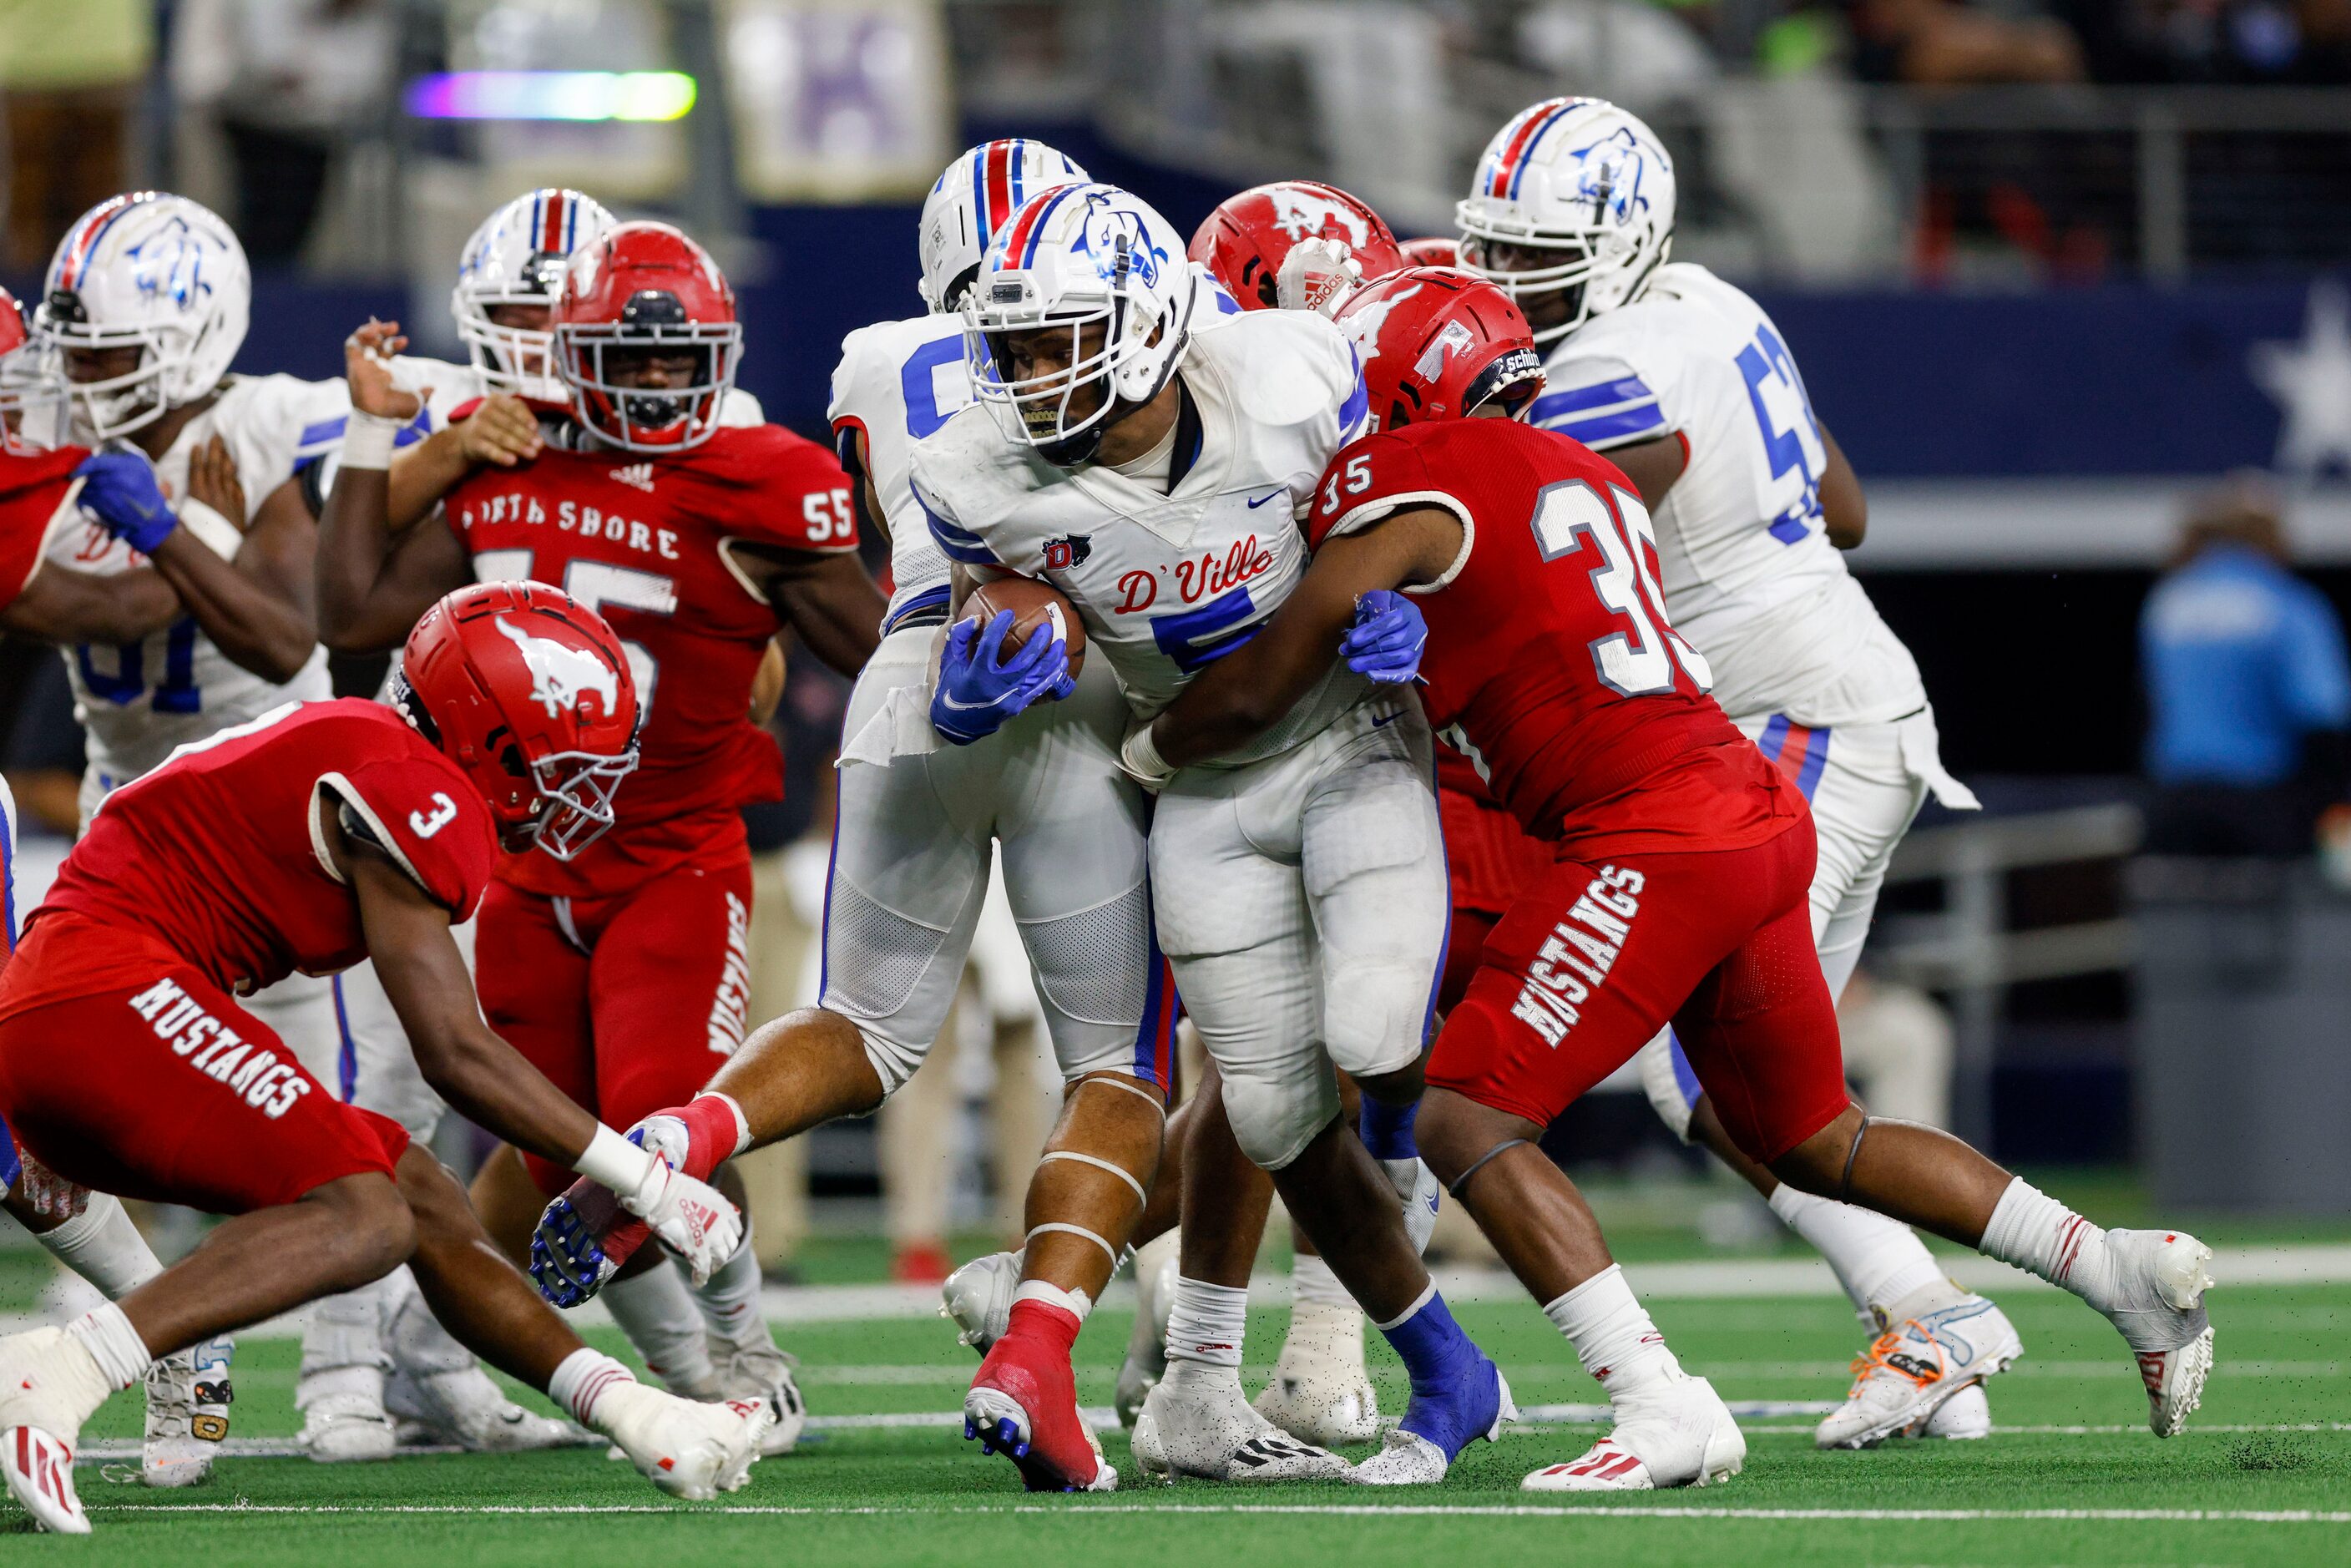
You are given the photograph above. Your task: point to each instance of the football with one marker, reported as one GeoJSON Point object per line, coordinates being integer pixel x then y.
{"type": "Point", "coordinates": [1032, 603]}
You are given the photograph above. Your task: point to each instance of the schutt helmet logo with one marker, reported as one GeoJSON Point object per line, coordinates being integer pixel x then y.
{"type": "Point", "coordinates": [559, 674]}
{"type": "Point", "coordinates": [1064, 553]}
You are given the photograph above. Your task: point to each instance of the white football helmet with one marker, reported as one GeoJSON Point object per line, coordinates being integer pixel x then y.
{"type": "Point", "coordinates": [1583, 178]}
{"type": "Point", "coordinates": [152, 272]}
{"type": "Point", "coordinates": [1080, 257]}
{"type": "Point", "coordinates": [518, 257]}
{"type": "Point", "coordinates": [31, 393]}
{"type": "Point", "coordinates": [973, 199]}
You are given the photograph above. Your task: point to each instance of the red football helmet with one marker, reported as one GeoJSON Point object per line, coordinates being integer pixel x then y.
{"type": "Point", "coordinates": [1245, 239]}
{"type": "Point", "coordinates": [642, 294]}
{"type": "Point", "coordinates": [1438, 344]}
{"type": "Point", "coordinates": [32, 396]}
{"type": "Point", "coordinates": [1439, 251]}
{"type": "Point", "coordinates": [529, 691]}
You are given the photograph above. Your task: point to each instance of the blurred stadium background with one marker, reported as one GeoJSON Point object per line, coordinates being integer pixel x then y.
{"type": "Point", "coordinates": [2053, 268]}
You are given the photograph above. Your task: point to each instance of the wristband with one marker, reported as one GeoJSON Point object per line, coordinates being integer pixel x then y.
{"type": "Point", "coordinates": [1141, 759]}
{"type": "Point", "coordinates": [612, 1161]}
{"type": "Point", "coordinates": [367, 440]}
{"type": "Point", "coordinates": [219, 535]}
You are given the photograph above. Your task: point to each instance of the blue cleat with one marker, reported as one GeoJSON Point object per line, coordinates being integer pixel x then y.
{"type": "Point", "coordinates": [1441, 1420]}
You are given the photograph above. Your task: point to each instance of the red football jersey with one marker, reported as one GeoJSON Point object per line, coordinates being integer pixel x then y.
{"type": "Point", "coordinates": [642, 541]}
{"type": "Point", "coordinates": [1549, 660]}
{"type": "Point", "coordinates": [32, 488]}
{"type": "Point", "coordinates": [216, 853]}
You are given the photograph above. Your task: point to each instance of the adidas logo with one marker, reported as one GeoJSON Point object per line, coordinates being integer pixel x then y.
{"type": "Point", "coordinates": [636, 476]}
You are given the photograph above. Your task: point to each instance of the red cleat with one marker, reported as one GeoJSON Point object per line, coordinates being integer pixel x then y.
{"type": "Point", "coordinates": [1024, 1404]}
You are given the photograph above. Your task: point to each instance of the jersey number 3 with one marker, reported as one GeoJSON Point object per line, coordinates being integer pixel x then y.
{"type": "Point", "coordinates": [1571, 516]}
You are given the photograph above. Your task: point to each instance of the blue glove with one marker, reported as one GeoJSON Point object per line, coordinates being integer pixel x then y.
{"type": "Point", "coordinates": [978, 690]}
{"type": "Point", "coordinates": [1385, 640]}
{"type": "Point", "coordinates": [118, 489]}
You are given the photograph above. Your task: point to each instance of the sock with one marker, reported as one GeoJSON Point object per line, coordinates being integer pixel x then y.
{"type": "Point", "coordinates": [658, 1313]}
{"type": "Point", "coordinates": [729, 1300]}
{"type": "Point", "coordinates": [1077, 1304]}
{"type": "Point", "coordinates": [1056, 1324]}
{"type": "Point", "coordinates": [1314, 1283]}
{"type": "Point", "coordinates": [584, 1378]}
{"type": "Point", "coordinates": [1612, 1333]}
{"type": "Point", "coordinates": [1207, 1324]}
{"type": "Point", "coordinates": [102, 1246]}
{"type": "Point", "coordinates": [1442, 1363]}
{"type": "Point", "coordinates": [2043, 1236]}
{"type": "Point", "coordinates": [1387, 1129]}
{"type": "Point", "coordinates": [122, 1357]}
{"type": "Point", "coordinates": [1878, 1260]}
{"type": "Point", "coordinates": [717, 1131]}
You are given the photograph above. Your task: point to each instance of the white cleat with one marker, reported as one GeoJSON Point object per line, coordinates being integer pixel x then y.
{"type": "Point", "coordinates": [978, 1299]}
{"type": "Point", "coordinates": [1913, 1368]}
{"type": "Point", "coordinates": [2161, 1277]}
{"type": "Point", "coordinates": [1963, 1417]}
{"type": "Point", "coordinates": [1195, 1422]}
{"type": "Point", "coordinates": [187, 1415]}
{"type": "Point", "coordinates": [49, 1388]}
{"type": "Point", "coordinates": [464, 1409]}
{"type": "Point", "coordinates": [1146, 1347]}
{"type": "Point", "coordinates": [345, 1427]}
{"type": "Point", "coordinates": [688, 1450]}
{"type": "Point", "coordinates": [1674, 1432]}
{"type": "Point", "coordinates": [764, 1373]}
{"type": "Point", "coordinates": [1320, 1392]}
{"type": "Point", "coordinates": [1409, 1460]}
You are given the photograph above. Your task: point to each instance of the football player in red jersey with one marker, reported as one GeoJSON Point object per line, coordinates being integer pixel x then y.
{"type": "Point", "coordinates": [621, 974]}
{"type": "Point", "coordinates": [1248, 241]}
{"type": "Point", "coordinates": [305, 840]}
{"type": "Point", "coordinates": [1679, 889]}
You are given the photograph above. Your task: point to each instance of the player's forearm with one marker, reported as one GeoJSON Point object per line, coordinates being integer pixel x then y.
{"type": "Point", "coordinates": [422, 474]}
{"type": "Point", "coordinates": [1845, 509]}
{"type": "Point", "coordinates": [63, 606]}
{"type": "Point", "coordinates": [1237, 699]}
{"type": "Point", "coordinates": [357, 612]}
{"type": "Point", "coordinates": [836, 610]}
{"type": "Point", "coordinates": [256, 628]}
{"type": "Point", "coordinates": [488, 1081]}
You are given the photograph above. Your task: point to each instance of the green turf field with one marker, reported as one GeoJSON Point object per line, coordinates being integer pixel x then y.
{"type": "Point", "coordinates": [2074, 1477]}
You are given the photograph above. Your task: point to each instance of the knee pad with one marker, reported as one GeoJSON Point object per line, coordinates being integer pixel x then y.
{"type": "Point", "coordinates": [1672, 1088]}
{"type": "Point", "coordinates": [1375, 1015]}
{"type": "Point", "coordinates": [1275, 1116]}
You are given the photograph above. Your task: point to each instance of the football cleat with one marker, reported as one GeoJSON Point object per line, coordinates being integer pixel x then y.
{"type": "Point", "coordinates": [462, 1408]}
{"type": "Point", "coordinates": [1675, 1432]}
{"type": "Point", "coordinates": [1435, 1428]}
{"type": "Point", "coordinates": [1195, 1422]}
{"type": "Point", "coordinates": [1024, 1406]}
{"type": "Point", "coordinates": [188, 1397]}
{"type": "Point", "coordinates": [49, 1388]}
{"type": "Point", "coordinates": [763, 1372]}
{"type": "Point", "coordinates": [1965, 1415]}
{"type": "Point", "coordinates": [579, 1243]}
{"type": "Point", "coordinates": [978, 1299]}
{"type": "Point", "coordinates": [1322, 1392]}
{"type": "Point", "coordinates": [2161, 1278]}
{"type": "Point", "coordinates": [1155, 1264]}
{"type": "Point", "coordinates": [688, 1450]}
{"type": "Point", "coordinates": [345, 1427]}
{"type": "Point", "coordinates": [1910, 1370]}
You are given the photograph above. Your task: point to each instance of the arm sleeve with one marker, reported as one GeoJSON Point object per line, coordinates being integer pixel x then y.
{"type": "Point", "coordinates": [429, 820]}
{"type": "Point", "coordinates": [1600, 400]}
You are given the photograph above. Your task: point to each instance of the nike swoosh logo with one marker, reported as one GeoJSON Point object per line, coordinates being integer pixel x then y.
{"type": "Point", "coordinates": [1376, 724]}
{"type": "Point", "coordinates": [1268, 495]}
{"type": "Point", "coordinates": [965, 707]}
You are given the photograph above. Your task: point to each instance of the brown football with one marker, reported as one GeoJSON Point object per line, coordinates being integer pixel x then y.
{"type": "Point", "coordinates": [1031, 603]}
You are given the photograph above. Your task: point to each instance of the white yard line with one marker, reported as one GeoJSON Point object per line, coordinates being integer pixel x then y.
{"type": "Point", "coordinates": [1336, 1511]}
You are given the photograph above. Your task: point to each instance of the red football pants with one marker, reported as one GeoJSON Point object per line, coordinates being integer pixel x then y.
{"type": "Point", "coordinates": [1585, 970]}
{"type": "Point", "coordinates": [159, 1086]}
{"type": "Point", "coordinates": [628, 1003]}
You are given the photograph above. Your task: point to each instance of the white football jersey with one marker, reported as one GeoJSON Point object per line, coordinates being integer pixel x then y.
{"type": "Point", "coordinates": [1167, 583]}
{"type": "Point", "coordinates": [1750, 574]}
{"type": "Point", "coordinates": [898, 382]}
{"type": "Point", "coordinates": [141, 700]}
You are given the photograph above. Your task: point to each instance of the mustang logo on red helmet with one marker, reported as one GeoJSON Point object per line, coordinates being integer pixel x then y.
{"type": "Point", "coordinates": [560, 676]}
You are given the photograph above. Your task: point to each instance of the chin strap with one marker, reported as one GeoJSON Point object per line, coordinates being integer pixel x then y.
{"type": "Point", "coordinates": [1845, 1188]}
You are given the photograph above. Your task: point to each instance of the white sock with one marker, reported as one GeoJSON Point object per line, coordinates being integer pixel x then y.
{"type": "Point", "coordinates": [1879, 1261]}
{"type": "Point", "coordinates": [1077, 1304]}
{"type": "Point", "coordinates": [658, 1313]}
{"type": "Point", "coordinates": [1313, 1281]}
{"type": "Point", "coordinates": [102, 1246]}
{"type": "Point", "coordinates": [121, 1355]}
{"type": "Point", "coordinates": [1207, 1322]}
{"type": "Point", "coordinates": [1612, 1333]}
{"type": "Point", "coordinates": [729, 1300]}
{"type": "Point", "coordinates": [2043, 1236]}
{"type": "Point", "coordinates": [585, 1377]}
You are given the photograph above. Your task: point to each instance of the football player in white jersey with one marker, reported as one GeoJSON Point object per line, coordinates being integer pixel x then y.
{"type": "Point", "coordinates": [145, 306]}
{"type": "Point", "coordinates": [1685, 384]}
{"type": "Point", "coordinates": [1147, 455]}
